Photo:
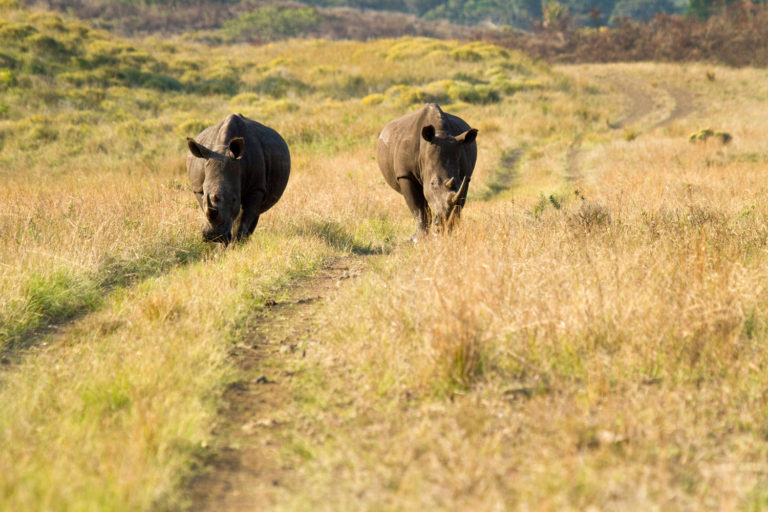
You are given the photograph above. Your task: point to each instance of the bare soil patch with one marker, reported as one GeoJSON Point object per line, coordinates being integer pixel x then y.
{"type": "Point", "coordinates": [572, 164]}
{"type": "Point", "coordinates": [640, 102]}
{"type": "Point", "coordinates": [684, 105]}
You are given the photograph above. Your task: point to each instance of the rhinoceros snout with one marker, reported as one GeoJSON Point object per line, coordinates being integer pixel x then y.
{"type": "Point", "coordinates": [221, 233]}
{"type": "Point", "coordinates": [446, 222]}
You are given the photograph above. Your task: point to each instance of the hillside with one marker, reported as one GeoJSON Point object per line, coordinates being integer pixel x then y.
{"type": "Point", "coordinates": [593, 335]}
{"type": "Point", "coordinates": [265, 21]}
{"type": "Point", "coordinates": [336, 17]}
{"type": "Point", "coordinates": [734, 34]}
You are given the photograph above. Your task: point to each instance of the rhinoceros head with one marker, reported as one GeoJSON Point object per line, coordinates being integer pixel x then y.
{"type": "Point", "coordinates": [444, 189]}
{"type": "Point", "coordinates": [220, 194]}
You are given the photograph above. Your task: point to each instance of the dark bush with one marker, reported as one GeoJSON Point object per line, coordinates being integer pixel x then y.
{"type": "Point", "coordinates": [738, 36]}
{"type": "Point", "coordinates": [48, 46]}
{"type": "Point", "coordinates": [6, 61]}
{"type": "Point", "coordinates": [278, 86]}
{"type": "Point", "coordinates": [215, 86]}
{"type": "Point", "coordinates": [161, 82]}
{"type": "Point", "coordinates": [272, 22]}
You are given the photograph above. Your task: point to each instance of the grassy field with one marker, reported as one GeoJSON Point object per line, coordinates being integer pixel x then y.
{"type": "Point", "coordinates": [593, 336]}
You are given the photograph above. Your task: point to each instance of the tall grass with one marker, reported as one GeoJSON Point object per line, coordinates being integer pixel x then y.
{"type": "Point", "coordinates": [604, 349]}
{"type": "Point", "coordinates": [589, 339]}
{"type": "Point", "coordinates": [92, 129]}
{"type": "Point", "coordinates": [115, 413]}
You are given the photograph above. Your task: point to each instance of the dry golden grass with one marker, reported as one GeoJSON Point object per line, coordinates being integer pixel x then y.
{"type": "Point", "coordinates": [126, 396]}
{"type": "Point", "coordinates": [561, 350]}
{"type": "Point", "coordinates": [607, 354]}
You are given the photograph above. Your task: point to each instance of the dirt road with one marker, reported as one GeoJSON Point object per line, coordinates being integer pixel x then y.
{"type": "Point", "coordinates": [244, 472]}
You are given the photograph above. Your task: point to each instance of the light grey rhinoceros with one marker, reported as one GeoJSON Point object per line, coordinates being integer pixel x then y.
{"type": "Point", "coordinates": [238, 169]}
{"type": "Point", "coordinates": [428, 156]}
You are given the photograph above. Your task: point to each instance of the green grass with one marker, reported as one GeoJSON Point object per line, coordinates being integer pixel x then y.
{"type": "Point", "coordinates": [53, 296]}
{"type": "Point", "coordinates": [155, 360]}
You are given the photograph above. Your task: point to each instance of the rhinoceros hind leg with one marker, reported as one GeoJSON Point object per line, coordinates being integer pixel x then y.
{"type": "Point", "coordinates": [414, 198]}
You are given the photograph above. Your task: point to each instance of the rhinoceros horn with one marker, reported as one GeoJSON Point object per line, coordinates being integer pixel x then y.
{"type": "Point", "coordinates": [450, 182]}
{"type": "Point", "coordinates": [211, 211]}
{"type": "Point", "coordinates": [461, 192]}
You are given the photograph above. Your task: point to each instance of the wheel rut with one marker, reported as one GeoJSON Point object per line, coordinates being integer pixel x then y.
{"type": "Point", "coordinates": [684, 105]}
{"type": "Point", "coordinates": [641, 105]}
{"type": "Point", "coordinates": [244, 471]}
{"type": "Point", "coordinates": [640, 101]}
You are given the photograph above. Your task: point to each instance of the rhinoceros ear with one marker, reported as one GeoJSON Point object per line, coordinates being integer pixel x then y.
{"type": "Point", "coordinates": [467, 137]}
{"type": "Point", "coordinates": [428, 133]}
{"type": "Point", "coordinates": [236, 147]}
{"type": "Point", "coordinates": [198, 150]}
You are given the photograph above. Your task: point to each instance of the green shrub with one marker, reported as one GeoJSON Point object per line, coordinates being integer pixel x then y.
{"type": "Point", "coordinates": [54, 22]}
{"type": "Point", "coordinates": [278, 83]}
{"type": "Point", "coordinates": [36, 66]}
{"type": "Point", "coordinates": [350, 86]}
{"type": "Point", "coordinates": [281, 105]}
{"type": "Point", "coordinates": [438, 91]}
{"type": "Point", "coordinates": [444, 91]}
{"type": "Point", "coordinates": [466, 54]}
{"type": "Point", "coordinates": [15, 33]}
{"type": "Point", "coordinates": [191, 127]}
{"type": "Point", "coordinates": [7, 61]}
{"type": "Point", "coordinates": [161, 82]}
{"type": "Point", "coordinates": [46, 45]}
{"type": "Point", "coordinates": [478, 51]}
{"type": "Point", "coordinates": [7, 79]}
{"type": "Point", "coordinates": [484, 94]}
{"type": "Point", "coordinates": [245, 99]}
{"type": "Point", "coordinates": [468, 77]}
{"type": "Point", "coordinates": [373, 99]}
{"type": "Point", "coordinates": [77, 78]}
{"type": "Point", "coordinates": [215, 87]}
{"type": "Point", "coordinates": [59, 295]}
{"type": "Point", "coordinates": [271, 23]}
{"type": "Point", "coordinates": [707, 133]}
{"type": "Point", "coordinates": [87, 97]}
{"type": "Point", "coordinates": [43, 133]}
{"type": "Point", "coordinates": [406, 94]}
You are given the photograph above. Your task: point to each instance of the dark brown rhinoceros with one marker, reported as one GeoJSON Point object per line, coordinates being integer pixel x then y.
{"type": "Point", "coordinates": [429, 156]}
{"type": "Point", "coordinates": [238, 169]}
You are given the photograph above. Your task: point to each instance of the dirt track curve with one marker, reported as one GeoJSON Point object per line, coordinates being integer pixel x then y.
{"type": "Point", "coordinates": [641, 101]}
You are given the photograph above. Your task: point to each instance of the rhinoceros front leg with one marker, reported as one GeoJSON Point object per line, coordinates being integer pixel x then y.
{"type": "Point", "coordinates": [414, 198]}
{"type": "Point", "coordinates": [250, 215]}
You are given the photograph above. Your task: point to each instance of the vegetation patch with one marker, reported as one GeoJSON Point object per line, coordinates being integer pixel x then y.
{"type": "Point", "coordinates": [705, 134]}
{"type": "Point", "coordinates": [271, 22]}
